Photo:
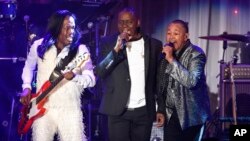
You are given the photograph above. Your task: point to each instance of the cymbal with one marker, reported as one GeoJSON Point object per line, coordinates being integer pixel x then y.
{"type": "Point", "coordinates": [228, 37]}
{"type": "Point", "coordinates": [238, 37]}
{"type": "Point", "coordinates": [217, 38]}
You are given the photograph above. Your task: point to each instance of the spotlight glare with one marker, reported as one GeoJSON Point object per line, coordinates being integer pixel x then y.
{"type": "Point", "coordinates": [236, 11]}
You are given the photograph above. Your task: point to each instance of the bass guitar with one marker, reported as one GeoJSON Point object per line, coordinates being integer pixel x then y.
{"type": "Point", "coordinates": [29, 113]}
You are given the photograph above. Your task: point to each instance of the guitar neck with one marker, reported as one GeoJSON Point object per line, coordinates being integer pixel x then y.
{"type": "Point", "coordinates": [233, 94]}
{"type": "Point", "coordinates": [46, 92]}
{"type": "Point", "coordinates": [78, 62]}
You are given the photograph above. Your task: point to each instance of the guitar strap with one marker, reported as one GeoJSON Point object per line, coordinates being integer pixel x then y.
{"type": "Point", "coordinates": [62, 64]}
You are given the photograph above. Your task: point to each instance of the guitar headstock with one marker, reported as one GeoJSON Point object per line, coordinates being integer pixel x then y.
{"type": "Point", "coordinates": [77, 62]}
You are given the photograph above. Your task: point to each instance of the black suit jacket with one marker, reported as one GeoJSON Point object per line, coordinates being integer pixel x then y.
{"type": "Point", "coordinates": [113, 69]}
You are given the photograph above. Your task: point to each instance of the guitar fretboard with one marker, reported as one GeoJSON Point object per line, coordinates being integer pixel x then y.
{"type": "Point", "coordinates": [46, 92]}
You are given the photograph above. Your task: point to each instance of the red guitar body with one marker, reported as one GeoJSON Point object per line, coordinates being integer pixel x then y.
{"type": "Point", "coordinates": [29, 113]}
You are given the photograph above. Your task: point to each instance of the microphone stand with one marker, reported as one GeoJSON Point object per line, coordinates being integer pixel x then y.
{"type": "Point", "coordinates": [221, 75]}
{"type": "Point", "coordinates": [11, 118]}
{"type": "Point", "coordinates": [27, 31]}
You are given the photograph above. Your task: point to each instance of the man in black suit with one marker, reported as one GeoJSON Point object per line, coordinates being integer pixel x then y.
{"type": "Point", "coordinates": [128, 69]}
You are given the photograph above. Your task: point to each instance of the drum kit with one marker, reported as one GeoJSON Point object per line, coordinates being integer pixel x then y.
{"type": "Point", "coordinates": [230, 73]}
{"type": "Point", "coordinates": [229, 37]}
{"type": "Point", "coordinates": [8, 10]}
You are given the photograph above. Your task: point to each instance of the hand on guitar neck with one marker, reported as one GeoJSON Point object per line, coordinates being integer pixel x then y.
{"type": "Point", "coordinates": [26, 94]}
{"type": "Point", "coordinates": [69, 75]}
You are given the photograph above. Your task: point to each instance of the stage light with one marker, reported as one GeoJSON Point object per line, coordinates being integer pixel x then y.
{"type": "Point", "coordinates": [235, 11]}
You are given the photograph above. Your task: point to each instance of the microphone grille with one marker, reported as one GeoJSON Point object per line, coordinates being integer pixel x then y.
{"type": "Point", "coordinates": [90, 25]}
{"type": "Point", "coordinates": [169, 44]}
{"type": "Point", "coordinates": [26, 18]}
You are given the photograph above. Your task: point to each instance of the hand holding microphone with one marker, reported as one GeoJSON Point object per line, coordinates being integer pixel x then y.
{"type": "Point", "coordinates": [168, 50]}
{"type": "Point", "coordinates": [122, 41]}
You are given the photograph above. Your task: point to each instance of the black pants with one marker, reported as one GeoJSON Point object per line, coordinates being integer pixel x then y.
{"type": "Point", "coordinates": [132, 125]}
{"type": "Point", "coordinates": [173, 131]}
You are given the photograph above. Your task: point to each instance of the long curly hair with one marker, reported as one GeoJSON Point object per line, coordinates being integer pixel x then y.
{"type": "Point", "coordinates": [53, 30]}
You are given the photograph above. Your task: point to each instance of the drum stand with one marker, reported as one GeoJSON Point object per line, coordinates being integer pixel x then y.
{"type": "Point", "coordinates": [15, 59]}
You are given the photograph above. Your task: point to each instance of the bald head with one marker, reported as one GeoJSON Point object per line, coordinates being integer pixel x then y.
{"type": "Point", "coordinates": [128, 23]}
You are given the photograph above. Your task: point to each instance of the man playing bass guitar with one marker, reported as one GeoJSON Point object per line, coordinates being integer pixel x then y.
{"type": "Point", "coordinates": [51, 55]}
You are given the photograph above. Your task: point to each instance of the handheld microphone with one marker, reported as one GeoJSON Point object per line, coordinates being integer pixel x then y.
{"type": "Point", "coordinates": [26, 18]}
{"type": "Point", "coordinates": [169, 44]}
{"type": "Point", "coordinates": [90, 25]}
{"type": "Point", "coordinates": [124, 42]}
